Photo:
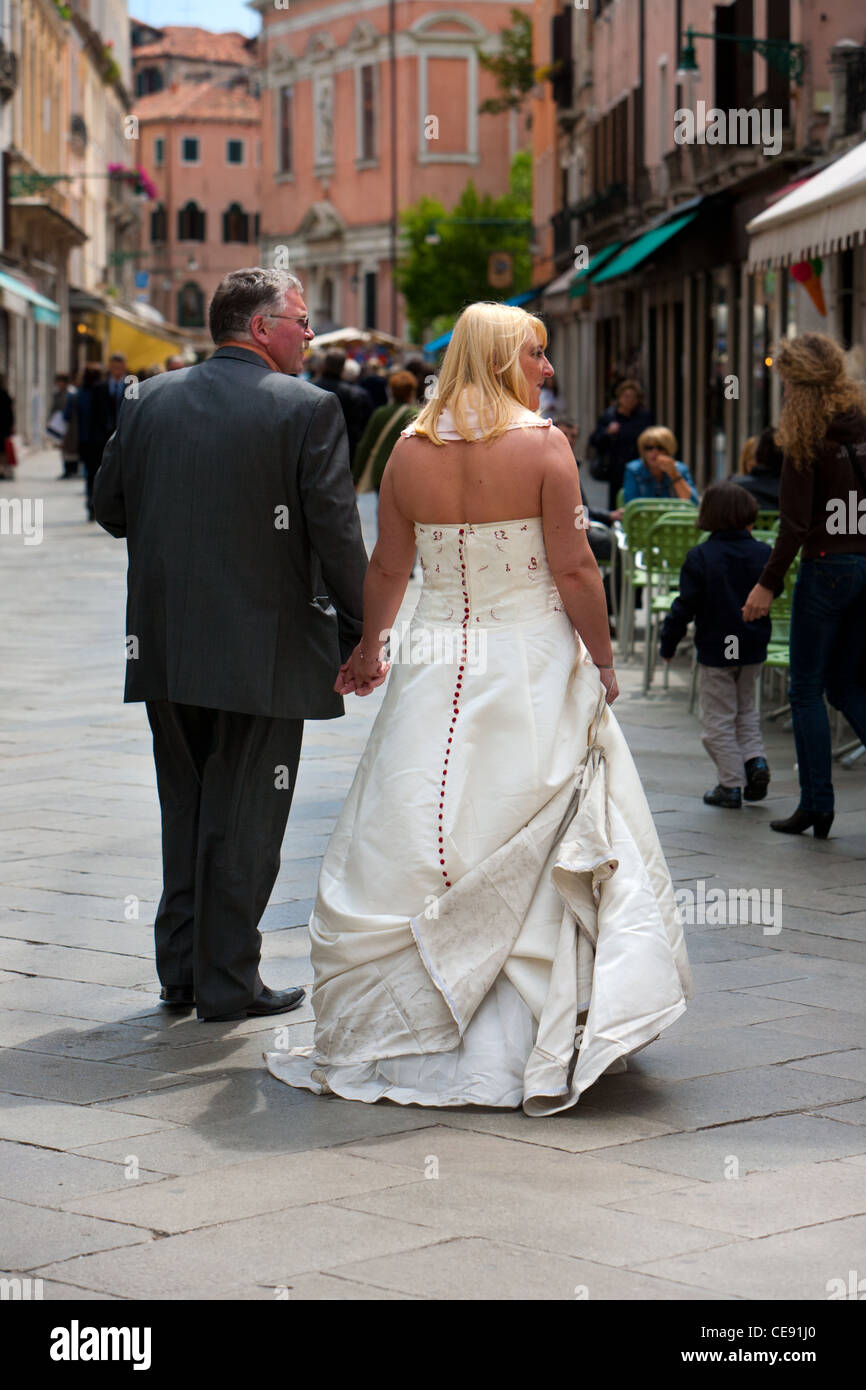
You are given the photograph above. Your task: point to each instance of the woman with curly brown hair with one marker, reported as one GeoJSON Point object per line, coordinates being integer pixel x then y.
{"type": "Point", "coordinates": [822, 500]}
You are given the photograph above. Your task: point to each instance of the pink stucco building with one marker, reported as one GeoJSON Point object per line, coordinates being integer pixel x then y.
{"type": "Point", "coordinates": [365, 109]}
{"type": "Point", "coordinates": [199, 127]}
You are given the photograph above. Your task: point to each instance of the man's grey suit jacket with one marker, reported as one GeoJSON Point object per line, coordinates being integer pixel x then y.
{"type": "Point", "coordinates": [231, 484]}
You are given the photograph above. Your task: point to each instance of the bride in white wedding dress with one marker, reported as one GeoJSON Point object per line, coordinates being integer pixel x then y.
{"type": "Point", "coordinates": [495, 922]}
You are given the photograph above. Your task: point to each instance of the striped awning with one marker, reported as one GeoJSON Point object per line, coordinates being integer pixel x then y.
{"type": "Point", "coordinates": [827, 213]}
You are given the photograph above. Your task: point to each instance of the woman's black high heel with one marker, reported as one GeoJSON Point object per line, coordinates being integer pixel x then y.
{"type": "Point", "coordinates": [801, 820]}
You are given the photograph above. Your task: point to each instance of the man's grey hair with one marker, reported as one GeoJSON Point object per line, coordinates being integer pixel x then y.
{"type": "Point", "coordinates": [245, 293]}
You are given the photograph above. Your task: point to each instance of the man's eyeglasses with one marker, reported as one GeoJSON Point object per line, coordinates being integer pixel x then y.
{"type": "Point", "coordinates": [293, 318]}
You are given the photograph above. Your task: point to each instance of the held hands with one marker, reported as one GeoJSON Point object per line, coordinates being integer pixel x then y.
{"type": "Point", "coordinates": [757, 604]}
{"type": "Point", "coordinates": [361, 674]}
{"type": "Point", "coordinates": [613, 427]}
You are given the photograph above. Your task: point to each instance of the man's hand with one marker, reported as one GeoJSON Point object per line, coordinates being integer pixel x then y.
{"type": "Point", "coordinates": [617, 514]}
{"type": "Point", "coordinates": [613, 428]}
{"type": "Point", "coordinates": [757, 604]}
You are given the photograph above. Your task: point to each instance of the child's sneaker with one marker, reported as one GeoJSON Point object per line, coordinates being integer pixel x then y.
{"type": "Point", "coordinates": [757, 779]}
{"type": "Point", "coordinates": [730, 797]}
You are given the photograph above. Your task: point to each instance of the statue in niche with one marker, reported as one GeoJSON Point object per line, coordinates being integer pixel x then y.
{"type": "Point", "coordinates": [325, 120]}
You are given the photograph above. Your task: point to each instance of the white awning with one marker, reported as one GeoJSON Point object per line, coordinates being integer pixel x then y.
{"type": "Point", "coordinates": [826, 214]}
{"type": "Point", "coordinates": [560, 285]}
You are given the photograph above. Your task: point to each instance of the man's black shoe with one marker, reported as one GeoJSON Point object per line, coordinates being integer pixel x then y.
{"type": "Point", "coordinates": [270, 1001]}
{"type": "Point", "coordinates": [730, 797]}
{"type": "Point", "coordinates": [177, 996]}
{"type": "Point", "coordinates": [757, 779]}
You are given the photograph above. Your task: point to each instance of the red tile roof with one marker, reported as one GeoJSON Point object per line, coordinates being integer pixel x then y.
{"type": "Point", "coordinates": [182, 41]}
{"type": "Point", "coordinates": [200, 101]}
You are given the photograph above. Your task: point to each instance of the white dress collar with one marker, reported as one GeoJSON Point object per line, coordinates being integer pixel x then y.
{"type": "Point", "coordinates": [522, 418]}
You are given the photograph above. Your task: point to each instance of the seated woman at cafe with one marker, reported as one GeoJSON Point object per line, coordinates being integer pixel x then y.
{"type": "Point", "coordinates": [656, 473]}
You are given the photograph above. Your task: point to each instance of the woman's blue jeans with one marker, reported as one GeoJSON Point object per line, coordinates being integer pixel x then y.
{"type": "Point", "coordinates": [828, 644]}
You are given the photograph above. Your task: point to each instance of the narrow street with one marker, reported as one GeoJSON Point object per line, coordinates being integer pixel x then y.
{"type": "Point", "coordinates": [144, 1155]}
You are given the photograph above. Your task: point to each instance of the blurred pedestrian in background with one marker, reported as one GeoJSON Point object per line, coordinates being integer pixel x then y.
{"type": "Point", "coordinates": [8, 460]}
{"type": "Point", "coordinates": [763, 473]}
{"type": "Point", "coordinates": [600, 542]}
{"type": "Point", "coordinates": [63, 428]}
{"type": "Point", "coordinates": [421, 370]}
{"type": "Point", "coordinates": [109, 393]}
{"type": "Point", "coordinates": [615, 437]}
{"type": "Point", "coordinates": [91, 424]}
{"type": "Point", "coordinates": [372, 381]}
{"type": "Point", "coordinates": [550, 402]}
{"type": "Point", "coordinates": [747, 456]}
{"type": "Point", "coordinates": [656, 472]}
{"type": "Point", "coordinates": [383, 431]}
{"type": "Point", "coordinates": [355, 403]}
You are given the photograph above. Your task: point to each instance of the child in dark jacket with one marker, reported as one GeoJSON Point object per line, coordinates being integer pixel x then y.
{"type": "Point", "coordinates": [714, 583]}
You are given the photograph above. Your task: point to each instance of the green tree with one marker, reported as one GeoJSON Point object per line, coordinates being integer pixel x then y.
{"type": "Point", "coordinates": [512, 67]}
{"type": "Point", "coordinates": [439, 279]}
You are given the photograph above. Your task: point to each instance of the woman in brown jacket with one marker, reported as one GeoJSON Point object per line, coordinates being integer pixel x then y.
{"type": "Point", "coordinates": [822, 502]}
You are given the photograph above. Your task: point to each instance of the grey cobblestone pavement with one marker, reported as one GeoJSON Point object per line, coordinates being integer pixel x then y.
{"type": "Point", "coordinates": [144, 1155]}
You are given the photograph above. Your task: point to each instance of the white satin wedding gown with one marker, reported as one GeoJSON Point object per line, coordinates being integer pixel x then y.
{"type": "Point", "coordinates": [495, 922]}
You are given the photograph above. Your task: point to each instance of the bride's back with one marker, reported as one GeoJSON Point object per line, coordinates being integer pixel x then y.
{"type": "Point", "coordinates": [474, 481]}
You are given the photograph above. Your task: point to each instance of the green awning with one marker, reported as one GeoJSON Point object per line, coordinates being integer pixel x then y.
{"type": "Point", "coordinates": [579, 286]}
{"type": "Point", "coordinates": [638, 250]}
{"type": "Point", "coordinates": [46, 311]}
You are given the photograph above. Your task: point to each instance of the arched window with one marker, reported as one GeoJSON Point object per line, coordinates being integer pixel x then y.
{"type": "Point", "coordinates": [190, 306]}
{"type": "Point", "coordinates": [158, 224]}
{"type": "Point", "coordinates": [236, 224]}
{"type": "Point", "coordinates": [148, 80]}
{"type": "Point", "coordinates": [190, 223]}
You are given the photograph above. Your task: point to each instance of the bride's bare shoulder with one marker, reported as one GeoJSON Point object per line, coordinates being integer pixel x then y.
{"type": "Point", "coordinates": [409, 447]}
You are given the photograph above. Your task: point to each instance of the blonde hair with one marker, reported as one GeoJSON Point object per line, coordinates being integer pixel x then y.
{"type": "Point", "coordinates": [747, 454]}
{"type": "Point", "coordinates": [657, 434]}
{"type": "Point", "coordinates": [817, 388]}
{"type": "Point", "coordinates": [481, 370]}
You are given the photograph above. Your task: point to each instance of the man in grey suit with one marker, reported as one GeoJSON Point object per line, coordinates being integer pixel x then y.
{"type": "Point", "coordinates": [230, 481]}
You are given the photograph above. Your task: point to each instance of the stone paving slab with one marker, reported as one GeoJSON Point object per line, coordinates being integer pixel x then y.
{"type": "Point", "coordinates": [478, 1269]}
{"type": "Point", "coordinates": [851, 1064]}
{"type": "Point", "coordinates": [777, 1143]}
{"type": "Point", "coordinates": [28, 1073]}
{"type": "Point", "coordinates": [57, 1124]}
{"type": "Point", "coordinates": [852, 1113]}
{"type": "Point", "coordinates": [115, 938]}
{"type": "Point", "coordinates": [50, 1177]}
{"type": "Point", "coordinates": [795, 1264]}
{"type": "Point", "coordinates": [70, 1037]}
{"type": "Point", "coordinates": [289, 1124]}
{"type": "Point", "coordinates": [245, 1189]}
{"type": "Point", "coordinates": [74, 963]}
{"type": "Point", "coordinates": [559, 1220]}
{"type": "Point", "coordinates": [756, 1205]}
{"type": "Point", "coordinates": [34, 1236]}
{"type": "Point", "coordinates": [267, 1249]}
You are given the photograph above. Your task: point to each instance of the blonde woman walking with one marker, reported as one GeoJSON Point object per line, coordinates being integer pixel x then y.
{"type": "Point", "coordinates": [495, 922]}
